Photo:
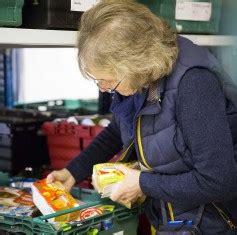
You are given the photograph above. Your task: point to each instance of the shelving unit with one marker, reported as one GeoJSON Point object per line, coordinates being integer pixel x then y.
{"type": "Point", "coordinates": [18, 37]}
{"type": "Point", "coordinates": [213, 40]}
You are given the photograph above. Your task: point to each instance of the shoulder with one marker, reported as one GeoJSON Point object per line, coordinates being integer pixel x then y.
{"type": "Point", "coordinates": [200, 90]}
{"type": "Point", "coordinates": [199, 79]}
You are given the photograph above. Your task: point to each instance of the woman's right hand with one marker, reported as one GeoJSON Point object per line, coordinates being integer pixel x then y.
{"type": "Point", "coordinates": [64, 176]}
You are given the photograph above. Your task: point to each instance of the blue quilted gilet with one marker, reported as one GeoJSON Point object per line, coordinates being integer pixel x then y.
{"type": "Point", "coordinates": [164, 148]}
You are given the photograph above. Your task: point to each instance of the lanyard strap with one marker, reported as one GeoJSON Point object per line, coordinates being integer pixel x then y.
{"type": "Point", "coordinates": [142, 155]}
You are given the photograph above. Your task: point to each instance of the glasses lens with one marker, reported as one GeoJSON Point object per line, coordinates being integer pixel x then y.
{"type": "Point", "coordinates": [98, 83]}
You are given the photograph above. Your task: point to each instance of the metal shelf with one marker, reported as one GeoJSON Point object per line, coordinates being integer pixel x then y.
{"type": "Point", "coordinates": [213, 40]}
{"type": "Point", "coordinates": [18, 37]}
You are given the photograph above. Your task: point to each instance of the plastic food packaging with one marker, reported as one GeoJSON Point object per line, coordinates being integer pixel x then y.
{"type": "Point", "coordinates": [106, 178]}
{"type": "Point", "coordinates": [16, 202]}
{"type": "Point", "coordinates": [53, 197]}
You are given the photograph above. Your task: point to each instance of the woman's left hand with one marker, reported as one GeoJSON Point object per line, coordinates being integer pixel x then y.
{"type": "Point", "coordinates": [129, 189]}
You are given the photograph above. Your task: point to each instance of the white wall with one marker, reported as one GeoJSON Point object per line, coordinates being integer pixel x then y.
{"type": "Point", "coordinates": [53, 73]}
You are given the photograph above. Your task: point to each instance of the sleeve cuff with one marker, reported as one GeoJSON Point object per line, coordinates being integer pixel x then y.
{"type": "Point", "coordinates": [144, 182]}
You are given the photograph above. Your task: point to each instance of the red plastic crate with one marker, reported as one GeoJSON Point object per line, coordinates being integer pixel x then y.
{"type": "Point", "coordinates": [63, 153]}
{"type": "Point", "coordinates": [64, 141]}
{"type": "Point", "coordinates": [58, 164]}
{"type": "Point", "coordinates": [65, 128]}
{"type": "Point", "coordinates": [60, 157]}
{"type": "Point", "coordinates": [95, 130]}
{"type": "Point", "coordinates": [86, 142]}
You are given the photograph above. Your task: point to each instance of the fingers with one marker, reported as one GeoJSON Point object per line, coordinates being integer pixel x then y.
{"type": "Point", "coordinates": [69, 184]}
{"type": "Point", "coordinates": [115, 195]}
{"type": "Point", "coordinates": [126, 200]}
{"type": "Point", "coordinates": [50, 178]}
{"type": "Point", "coordinates": [122, 168]}
{"type": "Point", "coordinates": [68, 187]}
{"type": "Point", "coordinates": [61, 175]}
{"type": "Point", "coordinates": [55, 176]}
{"type": "Point", "coordinates": [119, 195]}
{"type": "Point", "coordinates": [64, 176]}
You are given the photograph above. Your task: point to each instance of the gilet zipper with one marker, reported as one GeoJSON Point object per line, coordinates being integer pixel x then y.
{"type": "Point", "coordinates": [225, 217]}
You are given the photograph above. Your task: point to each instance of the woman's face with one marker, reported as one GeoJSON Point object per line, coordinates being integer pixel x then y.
{"type": "Point", "coordinates": [108, 83]}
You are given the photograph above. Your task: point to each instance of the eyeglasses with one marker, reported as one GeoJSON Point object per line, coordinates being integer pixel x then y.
{"type": "Point", "coordinates": [98, 81]}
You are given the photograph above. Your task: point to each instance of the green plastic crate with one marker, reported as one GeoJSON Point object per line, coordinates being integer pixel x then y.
{"type": "Point", "coordinates": [166, 9]}
{"type": "Point", "coordinates": [89, 106]}
{"type": "Point", "coordinates": [52, 104]}
{"type": "Point", "coordinates": [79, 106]}
{"type": "Point", "coordinates": [4, 178]}
{"type": "Point", "coordinates": [125, 220]}
{"type": "Point", "coordinates": [11, 12]}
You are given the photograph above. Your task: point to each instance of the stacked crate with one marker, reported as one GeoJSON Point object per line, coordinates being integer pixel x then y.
{"type": "Point", "coordinates": [54, 14]}
{"type": "Point", "coordinates": [64, 107]}
{"type": "Point", "coordinates": [188, 16]}
{"type": "Point", "coordinates": [66, 141]}
{"type": "Point", "coordinates": [50, 14]}
{"type": "Point", "coordinates": [2, 83]}
{"type": "Point", "coordinates": [21, 145]}
{"type": "Point", "coordinates": [11, 12]}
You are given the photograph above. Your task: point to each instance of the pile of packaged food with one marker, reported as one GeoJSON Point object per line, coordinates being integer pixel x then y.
{"type": "Point", "coordinates": [44, 198]}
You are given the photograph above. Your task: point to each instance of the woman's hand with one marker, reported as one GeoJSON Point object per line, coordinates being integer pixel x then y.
{"type": "Point", "coordinates": [129, 189]}
{"type": "Point", "coordinates": [64, 176]}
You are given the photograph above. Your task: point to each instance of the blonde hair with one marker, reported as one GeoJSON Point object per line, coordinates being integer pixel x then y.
{"type": "Point", "coordinates": [126, 39]}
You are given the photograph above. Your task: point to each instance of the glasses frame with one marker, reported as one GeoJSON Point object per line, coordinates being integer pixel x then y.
{"type": "Point", "coordinates": [97, 81]}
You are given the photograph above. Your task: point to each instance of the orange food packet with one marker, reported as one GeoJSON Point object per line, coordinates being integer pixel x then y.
{"type": "Point", "coordinates": [53, 197]}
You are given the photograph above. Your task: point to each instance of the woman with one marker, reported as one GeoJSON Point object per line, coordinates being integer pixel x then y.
{"type": "Point", "coordinates": [172, 110]}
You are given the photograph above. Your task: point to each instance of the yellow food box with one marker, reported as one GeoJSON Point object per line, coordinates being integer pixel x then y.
{"type": "Point", "coordinates": [105, 174]}
{"type": "Point", "coordinates": [106, 178]}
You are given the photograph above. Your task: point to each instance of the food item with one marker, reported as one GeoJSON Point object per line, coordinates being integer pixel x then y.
{"type": "Point", "coordinates": [90, 212]}
{"type": "Point", "coordinates": [106, 178]}
{"type": "Point", "coordinates": [105, 174]}
{"type": "Point", "coordinates": [53, 197]}
{"type": "Point", "coordinates": [15, 197]}
{"type": "Point", "coordinates": [95, 211]}
{"type": "Point", "coordinates": [16, 202]}
{"type": "Point", "coordinates": [85, 214]}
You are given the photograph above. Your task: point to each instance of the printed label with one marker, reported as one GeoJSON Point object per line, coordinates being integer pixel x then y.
{"type": "Point", "coordinates": [195, 11]}
{"type": "Point", "coordinates": [82, 5]}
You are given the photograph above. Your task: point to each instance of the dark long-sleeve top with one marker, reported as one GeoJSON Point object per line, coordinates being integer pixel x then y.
{"type": "Point", "coordinates": [201, 115]}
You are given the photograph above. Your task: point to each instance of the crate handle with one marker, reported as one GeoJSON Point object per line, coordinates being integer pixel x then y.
{"type": "Point", "coordinates": [88, 191]}
{"type": "Point", "coordinates": [76, 193]}
{"type": "Point", "coordinates": [124, 216]}
{"type": "Point", "coordinates": [63, 212]}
